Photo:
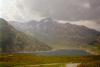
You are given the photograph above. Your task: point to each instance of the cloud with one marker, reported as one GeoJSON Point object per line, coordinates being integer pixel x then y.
{"type": "Point", "coordinates": [90, 24]}
{"type": "Point", "coordinates": [17, 10]}
{"type": "Point", "coordinates": [63, 9]}
{"type": "Point", "coordinates": [58, 9]}
{"type": "Point", "coordinates": [68, 10]}
{"type": "Point", "coordinates": [8, 9]}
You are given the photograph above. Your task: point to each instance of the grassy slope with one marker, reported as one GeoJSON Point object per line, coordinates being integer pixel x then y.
{"type": "Point", "coordinates": [30, 59]}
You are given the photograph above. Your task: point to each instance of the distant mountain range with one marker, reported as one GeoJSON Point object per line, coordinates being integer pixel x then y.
{"type": "Point", "coordinates": [13, 41]}
{"type": "Point", "coordinates": [58, 35]}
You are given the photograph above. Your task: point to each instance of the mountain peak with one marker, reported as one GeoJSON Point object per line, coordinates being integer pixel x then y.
{"type": "Point", "coordinates": [60, 35]}
{"type": "Point", "coordinates": [48, 19]}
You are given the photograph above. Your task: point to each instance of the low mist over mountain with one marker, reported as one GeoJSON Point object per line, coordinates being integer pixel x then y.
{"type": "Point", "coordinates": [13, 41]}
{"type": "Point", "coordinates": [93, 24]}
{"type": "Point", "coordinates": [58, 35]}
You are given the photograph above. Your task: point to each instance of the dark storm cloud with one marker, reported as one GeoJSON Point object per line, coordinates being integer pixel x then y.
{"type": "Point", "coordinates": [64, 9]}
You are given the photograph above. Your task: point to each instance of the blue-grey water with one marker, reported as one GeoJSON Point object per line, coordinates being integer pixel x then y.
{"type": "Point", "coordinates": [67, 52]}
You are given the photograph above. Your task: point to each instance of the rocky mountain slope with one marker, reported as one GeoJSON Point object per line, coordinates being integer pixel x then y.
{"type": "Point", "coordinates": [58, 35]}
{"type": "Point", "coordinates": [12, 40]}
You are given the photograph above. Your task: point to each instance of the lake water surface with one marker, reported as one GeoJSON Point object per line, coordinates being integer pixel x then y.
{"type": "Point", "coordinates": [67, 52]}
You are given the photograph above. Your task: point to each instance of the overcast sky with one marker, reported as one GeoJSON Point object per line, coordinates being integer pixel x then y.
{"type": "Point", "coordinates": [58, 9]}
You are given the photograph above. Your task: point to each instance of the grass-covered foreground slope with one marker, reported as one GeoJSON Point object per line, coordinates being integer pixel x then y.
{"type": "Point", "coordinates": [12, 40]}
{"type": "Point", "coordinates": [30, 60]}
